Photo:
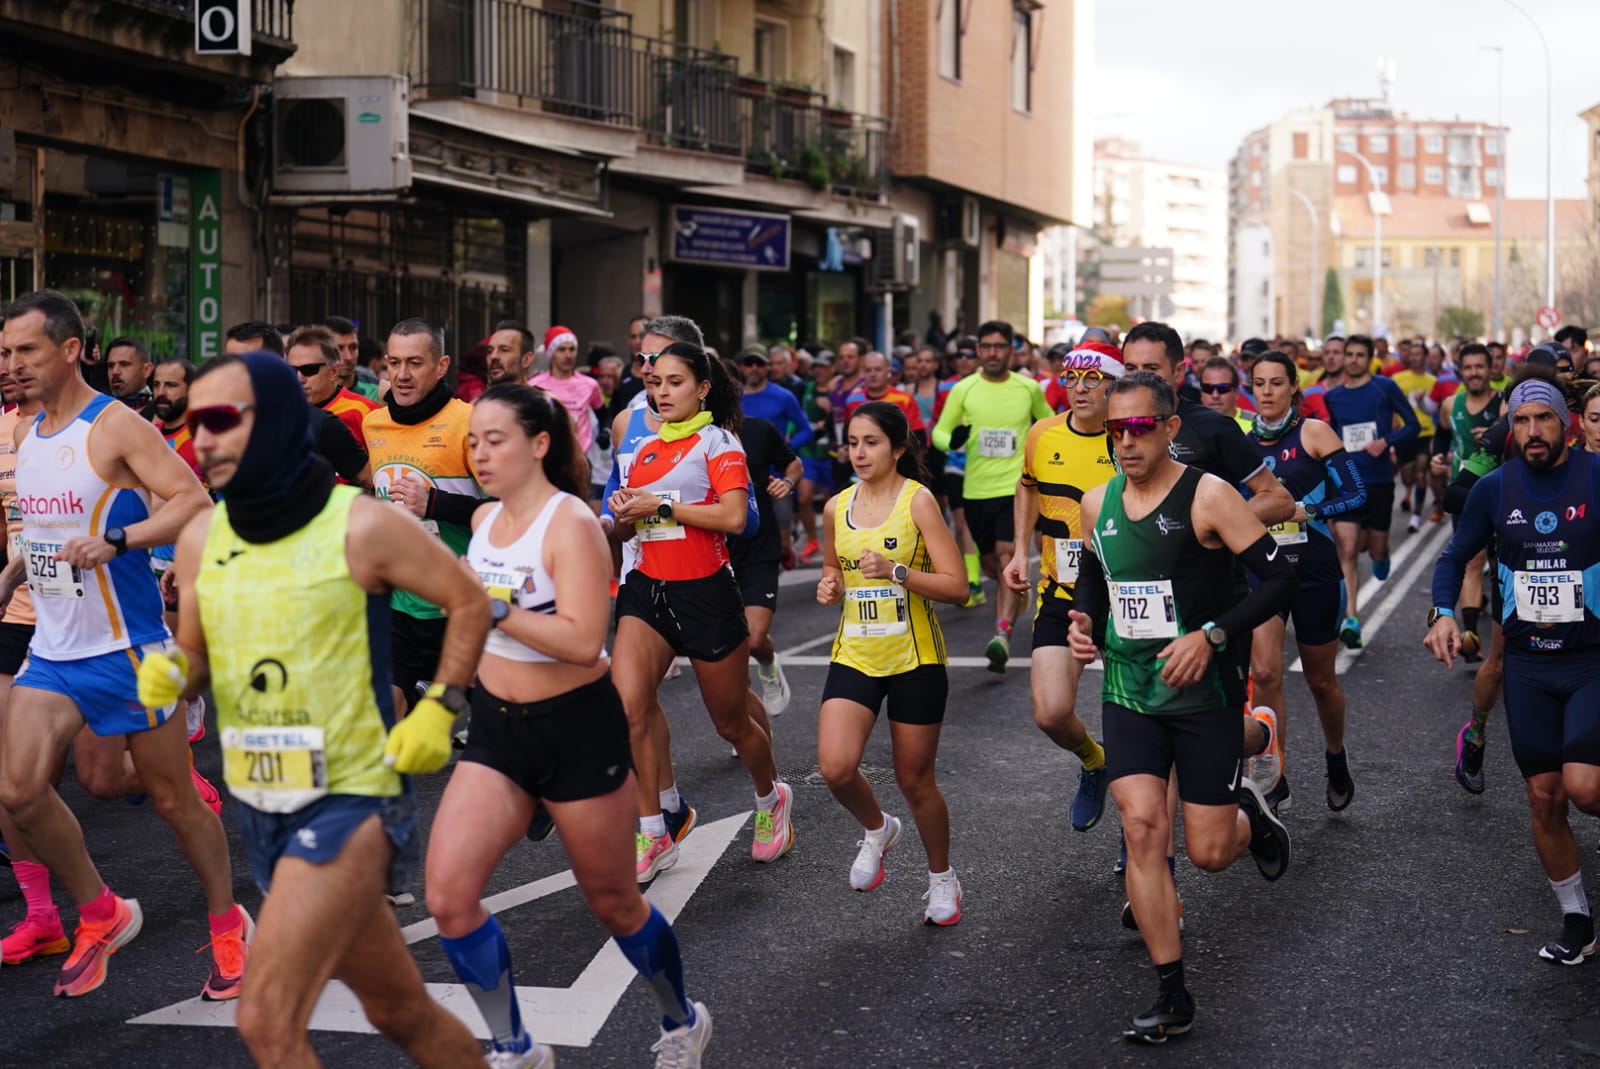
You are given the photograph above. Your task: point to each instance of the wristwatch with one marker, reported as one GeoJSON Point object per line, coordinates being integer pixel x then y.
{"type": "Point", "coordinates": [664, 510]}
{"type": "Point", "coordinates": [498, 611]}
{"type": "Point", "coordinates": [1436, 612]}
{"type": "Point", "coordinates": [117, 539]}
{"type": "Point", "coordinates": [1310, 509]}
{"type": "Point", "coordinates": [450, 696]}
{"type": "Point", "coordinates": [898, 574]}
{"type": "Point", "coordinates": [1216, 636]}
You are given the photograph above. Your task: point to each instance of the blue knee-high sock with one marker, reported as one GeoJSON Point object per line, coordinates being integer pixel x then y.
{"type": "Point", "coordinates": [483, 962]}
{"type": "Point", "coordinates": [653, 951]}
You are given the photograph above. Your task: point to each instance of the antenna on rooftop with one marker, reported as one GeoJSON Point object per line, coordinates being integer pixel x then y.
{"type": "Point", "coordinates": [1386, 69]}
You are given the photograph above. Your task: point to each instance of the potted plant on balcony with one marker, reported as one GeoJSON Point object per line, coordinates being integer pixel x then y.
{"type": "Point", "coordinates": [815, 166]}
{"type": "Point", "coordinates": [795, 92]}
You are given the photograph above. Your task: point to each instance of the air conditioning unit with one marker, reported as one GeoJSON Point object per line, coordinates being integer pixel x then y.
{"type": "Point", "coordinates": [961, 221]}
{"type": "Point", "coordinates": [971, 222]}
{"type": "Point", "coordinates": [341, 135]}
{"type": "Point", "coordinates": [897, 255]}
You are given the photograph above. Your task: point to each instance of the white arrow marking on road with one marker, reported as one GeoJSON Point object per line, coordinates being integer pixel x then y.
{"type": "Point", "coordinates": [565, 1016]}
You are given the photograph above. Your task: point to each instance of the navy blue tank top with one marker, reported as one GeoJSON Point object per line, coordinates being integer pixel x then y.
{"type": "Point", "coordinates": [1548, 555]}
{"type": "Point", "coordinates": [1308, 546]}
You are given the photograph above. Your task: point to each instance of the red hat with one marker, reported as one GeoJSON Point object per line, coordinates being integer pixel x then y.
{"type": "Point", "coordinates": [557, 335]}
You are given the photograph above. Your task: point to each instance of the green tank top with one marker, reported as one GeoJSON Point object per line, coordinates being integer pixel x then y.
{"type": "Point", "coordinates": [298, 668]}
{"type": "Point", "coordinates": [1162, 583]}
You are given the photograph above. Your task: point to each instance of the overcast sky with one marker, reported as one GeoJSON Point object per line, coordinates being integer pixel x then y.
{"type": "Point", "coordinates": [1189, 80]}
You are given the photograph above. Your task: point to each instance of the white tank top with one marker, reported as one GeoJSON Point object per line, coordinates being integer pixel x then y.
{"type": "Point", "coordinates": [516, 573]}
{"type": "Point", "coordinates": [82, 613]}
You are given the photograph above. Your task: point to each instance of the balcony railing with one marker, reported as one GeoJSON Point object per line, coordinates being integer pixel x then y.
{"type": "Point", "coordinates": [788, 134]}
{"type": "Point", "coordinates": [269, 18]}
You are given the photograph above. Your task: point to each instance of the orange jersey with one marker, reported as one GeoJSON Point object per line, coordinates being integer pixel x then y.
{"type": "Point", "coordinates": [20, 611]}
{"type": "Point", "coordinates": [899, 398]}
{"type": "Point", "coordinates": [351, 408]}
{"type": "Point", "coordinates": [696, 470]}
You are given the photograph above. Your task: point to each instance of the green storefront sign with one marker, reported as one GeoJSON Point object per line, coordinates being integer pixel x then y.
{"type": "Point", "coordinates": [205, 303]}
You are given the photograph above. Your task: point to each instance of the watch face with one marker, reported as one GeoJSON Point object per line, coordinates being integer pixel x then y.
{"type": "Point", "coordinates": [499, 610]}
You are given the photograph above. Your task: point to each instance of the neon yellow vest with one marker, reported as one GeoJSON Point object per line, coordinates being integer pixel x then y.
{"type": "Point", "coordinates": [884, 629]}
{"type": "Point", "coordinates": [291, 656]}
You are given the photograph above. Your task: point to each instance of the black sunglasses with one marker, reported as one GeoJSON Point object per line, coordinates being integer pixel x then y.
{"type": "Point", "coordinates": [308, 370]}
{"type": "Point", "coordinates": [752, 361]}
{"type": "Point", "coordinates": [1216, 389]}
{"type": "Point", "coordinates": [218, 419]}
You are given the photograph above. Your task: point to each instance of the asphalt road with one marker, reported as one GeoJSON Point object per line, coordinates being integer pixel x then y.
{"type": "Point", "coordinates": [1404, 934]}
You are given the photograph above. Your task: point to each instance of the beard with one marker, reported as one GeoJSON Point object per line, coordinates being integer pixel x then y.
{"type": "Point", "coordinates": [1547, 460]}
{"type": "Point", "coordinates": [170, 411]}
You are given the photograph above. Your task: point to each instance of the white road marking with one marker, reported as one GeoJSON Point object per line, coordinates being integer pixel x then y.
{"type": "Point", "coordinates": [565, 1016]}
{"type": "Point", "coordinates": [818, 661]}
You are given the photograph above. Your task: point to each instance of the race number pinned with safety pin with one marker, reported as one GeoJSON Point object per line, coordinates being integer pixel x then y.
{"type": "Point", "coordinates": [1358, 436]}
{"type": "Point", "coordinates": [275, 769]}
{"type": "Point", "coordinates": [1069, 558]}
{"type": "Point", "coordinates": [1549, 597]}
{"type": "Point", "coordinates": [876, 611]}
{"type": "Point", "coordinates": [1144, 610]}
{"type": "Point", "coordinates": [997, 442]}
{"type": "Point", "coordinates": [659, 528]}
{"type": "Point", "coordinates": [49, 577]}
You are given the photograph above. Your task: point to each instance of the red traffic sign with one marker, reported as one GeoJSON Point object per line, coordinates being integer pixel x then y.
{"type": "Point", "coordinates": [1549, 318]}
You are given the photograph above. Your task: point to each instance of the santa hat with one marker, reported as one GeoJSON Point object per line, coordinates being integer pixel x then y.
{"type": "Point", "coordinates": [558, 335]}
{"type": "Point", "coordinates": [1095, 356]}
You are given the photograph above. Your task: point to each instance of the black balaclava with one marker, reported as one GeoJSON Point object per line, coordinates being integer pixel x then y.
{"type": "Point", "coordinates": [281, 482]}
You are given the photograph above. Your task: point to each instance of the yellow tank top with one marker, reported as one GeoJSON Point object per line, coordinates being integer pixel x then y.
{"type": "Point", "coordinates": [298, 664]}
{"type": "Point", "coordinates": [1063, 465]}
{"type": "Point", "coordinates": [884, 629]}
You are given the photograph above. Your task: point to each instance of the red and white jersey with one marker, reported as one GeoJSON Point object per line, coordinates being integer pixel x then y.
{"type": "Point", "coordinates": [696, 470]}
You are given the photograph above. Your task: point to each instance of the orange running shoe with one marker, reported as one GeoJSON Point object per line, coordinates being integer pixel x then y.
{"type": "Point", "coordinates": [92, 944]}
{"type": "Point", "coordinates": [38, 935]}
{"type": "Point", "coordinates": [229, 952]}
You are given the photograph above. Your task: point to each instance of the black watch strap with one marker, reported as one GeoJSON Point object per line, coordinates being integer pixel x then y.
{"type": "Point", "coordinates": [117, 538]}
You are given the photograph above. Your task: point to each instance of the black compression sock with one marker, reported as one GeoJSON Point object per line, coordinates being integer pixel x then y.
{"type": "Point", "coordinates": [1171, 977]}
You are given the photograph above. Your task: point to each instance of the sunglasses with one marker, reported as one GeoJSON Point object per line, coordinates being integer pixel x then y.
{"type": "Point", "coordinates": [650, 358]}
{"type": "Point", "coordinates": [1138, 426]}
{"type": "Point", "coordinates": [751, 361]}
{"type": "Point", "coordinates": [308, 370]}
{"type": "Point", "coordinates": [1217, 389]}
{"type": "Point", "coordinates": [1563, 369]}
{"type": "Point", "coordinates": [217, 419]}
{"type": "Point", "coordinates": [1089, 380]}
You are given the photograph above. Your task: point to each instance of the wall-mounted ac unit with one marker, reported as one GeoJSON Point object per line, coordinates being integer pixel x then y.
{"type": "Point", "coordinates": [961, 221]}
{"type": "Point", "coordinates": [897, 255]}
{"type": "Point", "coordinates": [341, 135]}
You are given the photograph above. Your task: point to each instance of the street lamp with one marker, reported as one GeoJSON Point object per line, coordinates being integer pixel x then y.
{"type": "Point", "coordinates": [1549, 188]}
{"type": "Point", "coordinates": [1312, 270]}
{"type": "Point", "coordinates": [1373, 203]}
{"type": "Point", "coordinates": [1500, 166]}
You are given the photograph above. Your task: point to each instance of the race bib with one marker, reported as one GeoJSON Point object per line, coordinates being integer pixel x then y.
{"type": "Point", "coordinates": [1359, 435]}
{"type": "Point", "coordinates": [1549, 597]}
{"type": "Point", "coordinates": [1069, 555]}
{"type": "Point", "coordinates": [1288, 533]}
{"type": "Point", "coordinates": [432, 527]}
{"type": "Point", "coordinates": [275, 769]}
{"type": "Point", "coordinates": [656, 529]}
{"type": "Point", "coordinates": [877, 611]}
{"type": "Point", "coordinates": [997, 442]}
{"type": "Point", "coordinates": [1144, 610]}
{"type": "Point", "coordinates": [48, 577]}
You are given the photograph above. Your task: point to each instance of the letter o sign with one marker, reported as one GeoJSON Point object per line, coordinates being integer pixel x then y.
{"type": "Point", "coordinates": [222, 27]}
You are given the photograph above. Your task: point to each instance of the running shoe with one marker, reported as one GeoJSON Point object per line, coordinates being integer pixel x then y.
{"type": "Point", "coordinates": [38, 935]}
{"type": "Point", "coordinates": [944, 900]}
{"type": "Point", "coordinates": [1350, 633]}
{"type": "Point", "coordinates": [1576, 942]}
{"type": "Point", "coordinates": [1122, 856]}
{"type": "Point", "coordinates": [1471, 647]}
{"type": "Point", "coordinates": [92, 944]}
{"type": "Point", "coordinates": [1089, 804]}
{"type": "Point", "coordinates": [208, 794]}
{"type": "Point", "coordinates": [775, 691]}
{"type": "Point", "coordinates": [810, 551]}
{"type": "Point", "coordinates": [1405, 503]}
{"type": "Point", "coordinates": [194, 714]}
{"type": "Point", "coordinates": [1278, 797]}
{"type": "Point", "coordinates": [1341, 788]}
{"type": "Point", "coordinates": [975, 596]}
{"type": "Point", "coordinates": [1269, 839]}
{"type": "Point", "coordinates": [1380, 570]}
{"type": "Point", "coordinates": [1415, 523]}
{"type": "Point", "coordinates": [1266, 767]}
{"type": "Point", "coordinates": [681, 823]}
{"type": "Point", "coordinates": [1130, 922]}
{"type": "Point", "coordinates": [398, 898]}
{"type": "Point", "coordinates": [229, 952]}
{"type": "Point", "coordinates": [866, 872]}
{"type": "Point", "coordinates": [653, 855]}
{"type": "Point", "coordinates": [999, 652]}
{"type": "Point", "coordinates": [683, 1048]}
{"type": "Point", "coordinates": [1172, 1015]}
{"type": "Point", "coordinates": [1437, 515]}
{"type": "Point", "coordinates": [1469, 761]}
{"type": "Point", "coordinates": [788, 560]}
{"type": "Point", "coordinates": [674, 670]}
{"type": "Point", "coordinates": [774, 834]}
{"type": "Point", "coordinates": [537, 1056]}
{"type": "Point", "coordinates": [540, 827]}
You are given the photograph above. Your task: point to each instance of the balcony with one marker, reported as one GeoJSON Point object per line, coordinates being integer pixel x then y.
{"type": "Point", "coordinates": [789, 133]}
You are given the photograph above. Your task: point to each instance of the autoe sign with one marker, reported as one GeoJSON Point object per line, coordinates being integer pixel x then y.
{"type": "Point", "coordinates": [728, 238]}
{"type": "Point", "coordinates": [205, 258]}
{"type": "Point", "coordinates": [222, 27]}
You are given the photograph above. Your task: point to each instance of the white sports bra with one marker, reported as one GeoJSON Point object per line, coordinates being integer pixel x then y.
{"type": "Point", "coordinates": [516, 574]}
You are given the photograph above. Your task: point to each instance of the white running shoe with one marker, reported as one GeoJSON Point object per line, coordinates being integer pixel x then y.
{"type": "Point", "coordinates": [194, 715]}
{"type": "Point", "coordinates": [943, 898]}
{"type": "Point", "coordinates": [674, 670]}
{"type": "Point", "coordinates": [682, 1048]}
{"type": "Point", "coordinates": [867, 871]}
{"type": "Point", "coordinates": [775, 692]}
{"type": "Point", "coordinates": [537, 1056]}
{"type": "Point", "coordinates": [1415, 523]}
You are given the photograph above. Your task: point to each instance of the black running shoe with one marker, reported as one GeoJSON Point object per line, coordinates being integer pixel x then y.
{"type": "Point", "coordinates": [1269, 839]}
{"type": "Point", "coordinates": [1576, 942]}
{"type": "Point", "coordinates": [1341, 788]}
{"type": "Point", "coordinates": [540, 827]}
{"type": "Point", "coordinates": [1172, 1015]}
{"type": "Point", "coordinates": [1278, 797]}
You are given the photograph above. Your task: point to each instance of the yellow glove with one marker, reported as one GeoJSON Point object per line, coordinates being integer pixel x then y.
{"type": "Point", "coordinates": [421, 742]}
{"type": "Point", "coordinates": [162, 677]}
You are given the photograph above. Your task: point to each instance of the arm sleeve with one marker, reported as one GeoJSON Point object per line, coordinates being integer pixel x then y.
{"type": "Point", "coordinates": [780, 454]}
{"type": "Point", "coordinates": [338, 445]}
{"type": "Point", "coordinates": [1347, 477]}
{"type": "Point", "coordinates": [1090, 595]}
{"type": "Point", "coordinates": [1240, 461]}
{"type": "Point", "coordinates": [797, 419]}
{"type": "Point", "coordinates": [1275, 594]}
{"type": "Point", "coordinates": [447, 507]}
{"type": "Point", "coordinates": [949, 419]}
{"type": "Point", "coordinates": [1460, 488]}
{"type": "Point", "coordinates": [1400, 404]}
{"type": "Point", "coordinates": [1473, 529]}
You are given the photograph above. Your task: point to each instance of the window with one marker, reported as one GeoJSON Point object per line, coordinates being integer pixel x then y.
{"type": "Point", "coordinates": [1022, 59]}
{"type": "Point", "coordinates": [772, 50]}
{"type": "Point", "coordinates": [1455, 257]}
{"type": "Point", "coordinates": [1378, 143]}
{"type": "Point", "coordinates": [1491, 176]}
{"type": "Point", "coordinates": [1491, 146]}
{"type": "Point", "coordinates": [1302, 146]}
{"type": "Point", "coordinates": [950, 38]}
{"type": "Point", "coordinates": [1388, 254]}
{"type": "Point", "coordinates": [1347, 173]}
{"type": "Point", "coordinates": [1380, 177]}
{"type": "Point", "coordinates": [1363, 257]}
{"type": "Point", "coordinates": [1408, 145]}
{"type": "Point", "coordinates": [1433, 176]}
{"type": "Point", "coordinates": [843, 94]}
{"type": "Point", "coordinates": [1408, 176]}
{"type": "Point", "coordinates": [1347, 142]}
{"type": "Point", "coordinates": [1430, 257]}
{"type": "Point", "coordinates": [1461, 182]}
{"type": "Point", "coordinates": [1433, 143]}
{"type": "Point", "coordinates": [1255, 179]}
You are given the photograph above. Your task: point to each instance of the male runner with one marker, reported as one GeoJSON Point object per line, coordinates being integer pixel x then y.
{"type": "Point", "coordinates": [82, 475]}
{"type": "Point", "coordinates": [1413, 456]}
{"type": "Point", "coordinates": [1540, 510]}
{"type": "Point", "coordinates": [877, 384]}
{"type": "Point", "coordinates": [989, 413]}
{"type": "Point", "coordinates": [307, 727]}
{"type": "Point", "coordinates": [1372, 416]}
{"type": "Point", "coordinates": [847, 379]}
{"type": "Point", "coordinates": [314, 353]}
{"type": "Point", "coordinates": [1155, 594]}
{"type": "Point", "coordinates": [350, 374]}
{"type": "Point", "coordinates": [128, 368]}
{"type": "Point", "coordinates": [1065, 456]}
{"type": "Point", "coordinates": [510, 355]}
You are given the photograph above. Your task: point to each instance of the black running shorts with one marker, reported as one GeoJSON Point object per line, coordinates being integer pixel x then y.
{"type": "Point", "coordinates": [1203, 747]}
{"type": "Point", "coordinates": [1553, 710]}
{"type": "Point", "coordinates": [991, 522]}
{"type": "Point", "coordinates": [702, 619]}
{"type": "Point", "coordinates": [914, 697]}
{"type": "Point", "coordinates": [564, 749]}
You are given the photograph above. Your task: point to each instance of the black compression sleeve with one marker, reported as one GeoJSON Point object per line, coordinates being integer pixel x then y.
{"type": "Point", "coordinates": [446, 507]}
{"type": "Point", "coordinates": [1089, 595]}
{"type": "Point", "coordinates": [1276, 592]}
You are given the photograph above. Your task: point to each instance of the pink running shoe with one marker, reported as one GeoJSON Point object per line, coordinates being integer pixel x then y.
{"type": "Point", "coordinates": [653, 855]}
{"type": "Point", "coordinates": [774, 834]}
{"type": "Point", "coordinates": [38, 935]}
{"type": "Point", "coordinates": [208, 794]}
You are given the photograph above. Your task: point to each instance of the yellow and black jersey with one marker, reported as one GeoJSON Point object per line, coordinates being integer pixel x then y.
{"type": "Point", "coordinates": [1062, 464]}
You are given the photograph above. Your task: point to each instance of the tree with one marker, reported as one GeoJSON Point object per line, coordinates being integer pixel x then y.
{"type": "Point", "coordinates": [1109, 310]}
{"type": "Point", "coordinates": [1332, 301]}
{"type": "Point", "coordinates": [1458, 322]}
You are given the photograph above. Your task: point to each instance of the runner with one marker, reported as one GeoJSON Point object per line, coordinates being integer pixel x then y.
{"type": "Point", "coordinates": [1535, 507]}
{"type": "Point", "coordinates": [878, 385]}
{"type": "Point", "coordinates": [954, 476]}
{"type": "Point", "coordinates": [777, 405]}
{"type": "Point", "coordinates": [548, 729]}
{"type": "Point", "coordinates": [305, 725]}
{"type": "Point", "coordinates": [686, 490]}
{"type": "Point", "coordinates": [1412, 455]}
{"type": "Point", "coordinates": [847, 379]}
{"type": "Point", "coordinates": [888, 556]}
{"type": "Point", "coordinates": [1219, 390]}
{"type": "Point", "coordinates": [1364, 410]}
{"type": "Point", "coordinates": [314, 353]}
{"type": "Point", "coordinates": [1064, 457]}
{"type": "Point", "coordinates": [510, 354]}
{"type": "Point", "coordinates": [1309, 460]}
{"type": "Point", "coordinates": [816, 456]}
{"type": "Point", "coordinates": [1591, 419]}
{"type": "Point", "coordinates": [990, 414]}
{"type": "Point", "coordinates": [756, 560]}
{"type": "Point", "coordinates": [99, 615]}
{"type": "Point", "coordinates": [1154, 594]}
{"type": "Point", "coordinates": [1473, 410]}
